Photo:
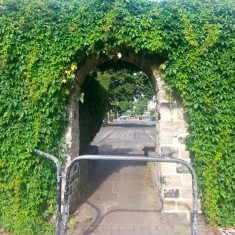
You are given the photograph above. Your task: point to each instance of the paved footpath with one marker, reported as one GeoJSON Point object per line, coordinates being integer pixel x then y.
{"type": "Point", "coordinates": [120, 198]}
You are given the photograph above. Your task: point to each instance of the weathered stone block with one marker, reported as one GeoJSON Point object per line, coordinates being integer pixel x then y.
{"type": "Point", "coordinates": [160, 84]}
{"type": "Point", "coordinates": [171, 180]}
{"type": "Point", "coordinates": [181, 139]}
{"type": "Point", "coordinates": [165, 138]}
{"type": "Point", "coordinates": [75, 129]}
{"type": "Point", "coordinates": [186, 192]}
{"type": "Point", "coordinates": [72, 113]}
{"type": "Point", "coordinates": [169, 205]}
{"type": "Point", "coordinates": [181, 169]}
{"type": "Point", "coordinates": [68, 136]}
{"type": "Point", "coordinates": [165, 105]}
{"type": "Point", "coordinates": [162, 96]}
{"type": "Point", "coordinates": [171, 193]}
{"type": "Point", "coordinates": [180, 115]}
{"type": "Point", "coordinates": [187, 180]}
{"type": "Point", "coordinates": [168, 168]}
{"type": "Point", "coordinates": [183, 153]}
{"type": "Point", "coordinates": [176, 217]}
{"type": "Point", "coordinates": [167, 151]}
{"type": "Point", "coordinates": [173, 127]}
{"type": "Point", "coordinates": [74, 144]}
{"type": "Point", "coordinates": [71, 154]}
{"type": "Point", "coordinates": [185, 204]}
{"type": "Point", "coordinates": [165, 111]}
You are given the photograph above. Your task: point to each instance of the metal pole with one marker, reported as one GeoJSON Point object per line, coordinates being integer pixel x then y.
{"type": "Point", "coordinates": [66, 197]}
{"type": "Point", "coordinates": [135, 158]}
{"type": "Point", "coordinates": [58, 187]}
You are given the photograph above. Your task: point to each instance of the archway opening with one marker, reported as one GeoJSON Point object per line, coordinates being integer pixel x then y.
{"type": "Point", "coordinates": [173, 183]}
{"type": "Point", "coordinates": [115, 90]}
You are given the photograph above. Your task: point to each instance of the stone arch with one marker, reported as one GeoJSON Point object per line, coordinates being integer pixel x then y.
{"type": "Point", "coordinates": [172, 181]}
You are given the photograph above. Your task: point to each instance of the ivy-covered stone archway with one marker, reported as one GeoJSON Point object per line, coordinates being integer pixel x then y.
{"type": "Point", "coordinates": [42, 41]}
{"type": "Point", "coordinates": [173, 182]}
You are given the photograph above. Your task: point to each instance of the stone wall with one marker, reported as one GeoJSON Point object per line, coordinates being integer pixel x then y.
{"type": "Point", "coordinates": [72, 150]}
{"type": "Point", "coordinates": [174, 180]}
{"type": "Point", "coordinates": [79, 177]}
{"type": "Point", "coordinates": [80, 171]}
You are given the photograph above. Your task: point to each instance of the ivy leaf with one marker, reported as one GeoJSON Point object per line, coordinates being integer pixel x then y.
{"type": "Point", "coordinates": [162, 66]}
{"type": "Point", "coordinates": [81, 97]}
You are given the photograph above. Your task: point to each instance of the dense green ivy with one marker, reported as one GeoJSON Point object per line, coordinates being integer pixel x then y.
{"type": "Point", "coordinates": [41, 43]}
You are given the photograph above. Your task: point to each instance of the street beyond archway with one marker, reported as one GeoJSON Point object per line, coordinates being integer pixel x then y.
{"type": "Point", "coordinates": [120, 197]}
{"type": "Point", "coordinates": [127, 137]}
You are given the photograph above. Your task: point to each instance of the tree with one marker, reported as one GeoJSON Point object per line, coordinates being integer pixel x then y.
{"type": "Point", "coordinates": [124, 86]}
{"type": "Point", "coordinates": [141, 105]}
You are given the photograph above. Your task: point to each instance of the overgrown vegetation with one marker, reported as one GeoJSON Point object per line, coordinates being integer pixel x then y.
{"type": "Point", "coordinates": [41, 42]}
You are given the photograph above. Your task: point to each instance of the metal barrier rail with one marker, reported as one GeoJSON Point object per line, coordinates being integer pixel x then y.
{"type": "Point", "coordinates": [133, 158]}
{"type": "Point", "coordinates": [58, 187]}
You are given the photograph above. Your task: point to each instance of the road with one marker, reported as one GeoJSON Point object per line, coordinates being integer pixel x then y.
{"type": "Point", "coordinates": [127, 137]}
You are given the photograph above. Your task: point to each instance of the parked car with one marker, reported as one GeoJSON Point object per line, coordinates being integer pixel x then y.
{"type": "Point", "coordinates": [123, 117]}
{"type": "Point", "coordinates": [152, 118]}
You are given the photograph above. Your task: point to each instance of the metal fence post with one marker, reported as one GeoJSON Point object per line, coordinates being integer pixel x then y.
{"type": "Point", "coordinates": [135, 158]}
{"type": "Point", "coordinates": [58, 187]}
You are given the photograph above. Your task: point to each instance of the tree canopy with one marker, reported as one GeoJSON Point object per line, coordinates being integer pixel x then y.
{"type": "Point", "coordinates": [124, 87]}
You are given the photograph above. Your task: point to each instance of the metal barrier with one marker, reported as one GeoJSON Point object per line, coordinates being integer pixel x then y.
{"type": "Point", "coordinates": [58, 188]}
{"type": "Point", "coordinates": [133, 158]}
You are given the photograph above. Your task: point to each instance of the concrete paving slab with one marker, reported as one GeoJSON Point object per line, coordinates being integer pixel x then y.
{"type": "Point", "coordinates": [133, 176]}
{"type": "Point", "coordinates": [128, 187]}
{"type": "Point", "coordinates": [97, 185]}
{"type": "Point", "coordinates": [136, 199]}
{"type": "Point", "coordinates": [131, 215]}
{"type": "Point", "coordinates": [101, 198]}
